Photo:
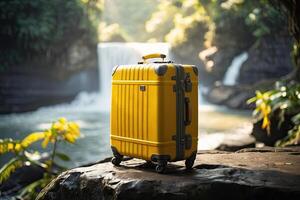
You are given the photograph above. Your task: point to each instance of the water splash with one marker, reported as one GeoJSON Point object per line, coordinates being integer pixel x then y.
{"type": "Point", "coordinates": [233, 70]}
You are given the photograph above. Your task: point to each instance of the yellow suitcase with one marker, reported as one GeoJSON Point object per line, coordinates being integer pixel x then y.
{"type": "Point", "coordinates": [154, 112]}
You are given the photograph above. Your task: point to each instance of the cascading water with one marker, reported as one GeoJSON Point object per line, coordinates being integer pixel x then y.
{"type": "Point", "coordinates": [233, 70]}
{"type": "Point", "coordinates": [113, 54]}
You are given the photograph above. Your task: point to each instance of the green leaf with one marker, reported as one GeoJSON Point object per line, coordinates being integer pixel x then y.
{"type": "Point", "coordinates": [9, 168]}
{"type": "Point", "coordinates": [281, 117]}
{"type": "Point", "coordinates": [296, 119]}
{"type": "Point", "coordinates": [251, 100]}
{"type": "Point", "coordinates": [62, 156]}
{"type": "Point", "coordinates": [31, 190]}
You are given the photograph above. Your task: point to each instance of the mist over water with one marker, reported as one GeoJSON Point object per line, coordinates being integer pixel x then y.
{"type": "Point", "coordinates": [111, 54]}
{"type": "Point", "coordinates": [91, 110]}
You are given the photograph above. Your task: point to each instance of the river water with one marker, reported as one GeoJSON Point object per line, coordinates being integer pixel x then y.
{"type": "Point", "coordinates": [91, 112]}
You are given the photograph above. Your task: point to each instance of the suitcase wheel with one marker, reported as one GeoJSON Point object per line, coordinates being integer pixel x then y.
{"type": "Point", "coordinates": [150, 164]}
{"type": "Point", "coordinates": [161, 167]}
{"type": "Point", "coordinates": [190, 161]}
{"type": "Point", "coordinates": [116, 161]}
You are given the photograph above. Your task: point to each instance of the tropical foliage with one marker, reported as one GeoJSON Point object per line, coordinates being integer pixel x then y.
{"type": "Point", "coordinates": [283, 101]}
{"type": "Point", "coordinates": [259, 17]}
{"type": "Point", "coordinates": [61, 130]}
{"type": "Point", "coordinates": [124, 20]}
{"type": "Point", "coordinates": [291, 8]}
{"type": "Point", "coordinates": [44, 28]}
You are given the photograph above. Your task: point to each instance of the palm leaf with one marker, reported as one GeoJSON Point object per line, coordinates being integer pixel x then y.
{"type": "Point", "coordinates": [9, 168]}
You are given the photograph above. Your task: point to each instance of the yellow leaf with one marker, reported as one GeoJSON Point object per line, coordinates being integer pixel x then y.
{"type": "Point", "coordinates": [59, 127]}
{"type": "Point", "coordinates": [268, 109]}
{"type": "Point", "coordinates": [62, 120]}
{"type": "Point", "coordinates": [33, 137]}
{"type": "Point", "coordinates": [7, 145]}
{"type": "Point", "coordinates": [10, 146]}
{"type": "Point", "coordinates": [259, 94]}
{"type": "Point", "coordinates": [74, 128]}
{"type": "Point", "coordinates": [69, 138]}
{"type": "Point", "coordinates": [266, 96]}
{"type": "Point", "coordinates": [18, 147]}
{"type": "Point", "coordinates": [266, 124]}
{"type": "Point", "coordinates": [45, 142]}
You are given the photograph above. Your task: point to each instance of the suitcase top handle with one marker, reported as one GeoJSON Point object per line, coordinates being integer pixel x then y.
{"type": "Point", "coordinates": [154, 55]}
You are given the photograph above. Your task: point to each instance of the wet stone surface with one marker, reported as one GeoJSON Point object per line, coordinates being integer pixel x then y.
{"type": "Point", "coordinates": [269, 173]}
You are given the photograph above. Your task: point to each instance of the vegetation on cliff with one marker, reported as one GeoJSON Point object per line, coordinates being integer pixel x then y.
{"type": "Point", "coordinates": [125, 20]}
{"type": "Point", "coordinates": [212, 33]}
{"type": "Point", "coordinates": [280, 105]}
{"type": "Point", "coordinates": [283, 103]}
{"type": "Point", "coordinates": [43, 30]}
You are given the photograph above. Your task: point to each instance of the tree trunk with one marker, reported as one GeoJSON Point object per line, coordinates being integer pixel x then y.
{"type": "Point", "coordinates": [292, 10]}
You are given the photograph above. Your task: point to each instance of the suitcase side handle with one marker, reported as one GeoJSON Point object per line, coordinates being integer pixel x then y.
{"type": "Point", "coordinates": [187, 111]}
{"type": "Point", "coordinates": [154, 55]}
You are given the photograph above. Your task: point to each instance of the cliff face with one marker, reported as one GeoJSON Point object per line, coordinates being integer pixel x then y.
{"type": "Point", "coordinates": [38, 83]}
{"type": "Point", "coordinates": [269, 173]}
{"type": "Point", "coordinates": [269, 58]}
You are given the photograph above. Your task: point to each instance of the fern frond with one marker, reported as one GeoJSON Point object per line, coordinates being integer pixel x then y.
{"type": "Point", "coordinates": [9, 168]}
{"type": "Point", "coordinates": [32, 138]}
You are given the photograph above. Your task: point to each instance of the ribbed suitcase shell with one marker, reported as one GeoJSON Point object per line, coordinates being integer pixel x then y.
{"type": "Point", "coordinates": [143, 111]}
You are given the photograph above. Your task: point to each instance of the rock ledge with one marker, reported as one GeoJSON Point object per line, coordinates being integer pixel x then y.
{"type": "Point", "coordinates": [272, 173]}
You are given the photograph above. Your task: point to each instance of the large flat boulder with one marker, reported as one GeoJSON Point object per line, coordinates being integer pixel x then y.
{"type": "Point", "coordinates": [269, 173]}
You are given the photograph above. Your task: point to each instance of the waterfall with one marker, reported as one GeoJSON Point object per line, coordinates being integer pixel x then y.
{"type": "Point", "coordinates": [233, 70]}
{"type": "Point", "coordinates": [115, 53]}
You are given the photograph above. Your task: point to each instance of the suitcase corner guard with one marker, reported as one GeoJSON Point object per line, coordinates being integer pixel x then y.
{"type": "Point", "coordinates": [161, 70]}
{"type": "Point", "coordinates": [115, 152]}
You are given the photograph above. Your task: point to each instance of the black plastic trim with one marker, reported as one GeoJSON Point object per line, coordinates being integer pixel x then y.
{"type": "Point", "coordinates": [163, 61]}
{"type": "Point", "coordinates": [161, 70]}
{"type": "Point", "coordinates": [194, 153]}
{"type": "Point", "coordinates": [115, 152]}
{"type": "Point", "coordinates": [187, 83]}
{"type": "Point", "coordinates": [180, 127]}
{"type": "Point", "coordinates": [195, 69]}
{"type": "Point", "coordinates": [156, 158]}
